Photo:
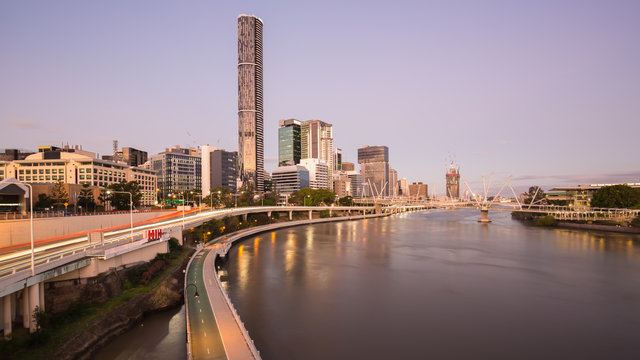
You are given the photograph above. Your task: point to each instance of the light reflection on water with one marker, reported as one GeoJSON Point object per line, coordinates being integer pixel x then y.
{"type": "Point", "coordinates": [438, 285]}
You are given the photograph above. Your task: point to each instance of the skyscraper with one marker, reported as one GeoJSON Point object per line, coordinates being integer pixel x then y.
{"type": "Point", "coordinates": [316, 142]}
{"type": "Point", "coordinates": [453, 182]}
{"type": "Point", "coordinates": [374, 167]}
{"type": "Point", "coordinates": [289, 142]}
{"type": "Point", "coordinates": [250, 110]}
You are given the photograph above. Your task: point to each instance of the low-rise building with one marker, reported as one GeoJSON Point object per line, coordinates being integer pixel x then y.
{"type": "Point", "coordinates": [291, 178]}
{"type": "Point", "coordinates": [75, 166]}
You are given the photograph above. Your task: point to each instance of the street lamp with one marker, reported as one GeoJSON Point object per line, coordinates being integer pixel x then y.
{"type": "Point", "coordinates": [33, 269]}
{"type": "Point", "coordinates": [305, 199]}
{"type": "Point", "coordinates": [194, 285]}
{"type": "Point", "coordinates": [130, 206]}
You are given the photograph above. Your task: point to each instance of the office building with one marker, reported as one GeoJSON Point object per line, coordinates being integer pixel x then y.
{"type": "Point", "coordinates": [288, 179]}
{"type": "Point", "coordinates": [453, 182]}
{"type": "Point", "coordinates": [348, 166]}
{"type": "Point", "coordinates": [337, 160]}
{"type": "Point", "coordinates": [289, 142]}
{"type": "Point", "coordinates": [342, 185]}
{"type": "Point", "coordinates": [318, 173]}
{"type": "Point", "coordinates": [179, 170]}
{"type": "Point", "coordinates": [14, 154]}
{"type": "Point", "coordinates": [374, 167]}
{"type": "Point", "coordinates": [316, 142]}
{"type": "Point", "coordinates": [72, 165]}
{"type": "Point", "coordinates": [418, 191]}
{"type": "Point", "coordinates": [219, 168]}
{"type": "Point", "coordinates": [403, 187]}
{"type": "Point", "coordinates": [393, 183]}
{"type": "Point", "coordinates": [250, 106]}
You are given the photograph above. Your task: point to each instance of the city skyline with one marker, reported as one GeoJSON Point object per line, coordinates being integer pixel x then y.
{"type": "Point", "coordinates": [151, 86]}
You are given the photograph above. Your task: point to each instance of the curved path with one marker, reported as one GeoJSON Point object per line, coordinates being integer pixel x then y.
{"type": "Point", "coordinates": [214, 330]}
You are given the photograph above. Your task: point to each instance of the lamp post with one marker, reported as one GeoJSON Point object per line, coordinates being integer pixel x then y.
{"type": "Point", "coordinates": [130, 206]}
{"type": "Point", "coordinates": [33, 269]}
{"type": "Point", "coordinates": [305, 199]}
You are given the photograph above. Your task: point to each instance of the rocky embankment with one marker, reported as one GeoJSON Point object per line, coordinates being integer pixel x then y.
{"type": "Point", "coordinates": [166, 294]}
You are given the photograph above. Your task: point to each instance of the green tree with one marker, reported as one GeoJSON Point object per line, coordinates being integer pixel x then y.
{"type": "Point", "coordinates": [533, 197]}
{"type": "Point", "coordinates": [85, 199]}
{"type": "Point", "coordinates": [312, 197]}
{"type": "Point", "coordinates": [119, 200]}
{"type": "Point", "coordinates": [346, 201]}
{"type": "Point", "coordinates": [59, 195]}
{"type": "Point", "coordinates": [247, 195]}
{"type": "Point", "coordinates": [44, 202]}
{"type": "Point", "coordinates": [616, 196]}
{"type": "Point", "coordinates": [219, 196]}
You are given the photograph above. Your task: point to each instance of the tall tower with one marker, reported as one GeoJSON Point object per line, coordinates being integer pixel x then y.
{"type": "Point", "coordinates": [316, 142]}
{"type": "Point", "coordinates": [250, 111]}
{"type": "Point", "coordinates": [453, 182]}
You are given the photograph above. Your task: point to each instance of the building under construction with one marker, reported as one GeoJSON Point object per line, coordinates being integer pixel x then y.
{"type": "Point", "coordinates": [453, 182]}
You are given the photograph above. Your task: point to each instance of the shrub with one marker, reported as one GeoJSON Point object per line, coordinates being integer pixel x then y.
{"type": "Point", "coordinates": [636, 221]}
{"type": "Point", "coordinates": [174, 244]}
{"type": "Point", "coordinates": [547, 220]}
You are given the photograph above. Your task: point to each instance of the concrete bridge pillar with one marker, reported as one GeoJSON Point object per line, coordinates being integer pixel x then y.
{"type": "Point", "coordinates": [7, 315]}
{"type": "Point", "coordinates": [34, 301]}
{"type": "Point", "coordinates": [484, 216]}
{"type": "Point", "coordinates": [25, 309]}
{"type": "Point", "coordinates": [310, 216]}
{"type": "Point", "coordinates": [269, 214]}
{"type": "Point", "coordinates": [41, 293]}
{"type": "Point", "coordinates": [330, 212]}
{"type": "Point", "coordinates": [290, 215]}
{"type": "Point", "coordinates": [244, 217]}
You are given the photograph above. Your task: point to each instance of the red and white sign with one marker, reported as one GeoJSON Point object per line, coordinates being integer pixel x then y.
{"type": "Point", "coordinates": [154, 234]}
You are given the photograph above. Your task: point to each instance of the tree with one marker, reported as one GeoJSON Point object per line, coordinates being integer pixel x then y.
{"type": "Point", "coordinates": [85, 199]}
{"type": "Point", "coordinates": [219, 196]}
{"type": "Point", "coordinates": [616, 196]}
{"type": "Point", "coordinates": [59, 195]}
{"type": "Point", "coordinates": [346, 201]}
{"type": "Point", "coordinates": [119, 200]}
{"type": "Point", "coordinates": [44, 202]}
{"type": "Point", "coordinates": [247, 195]}
{"type": "Point", "coordinates": [312, 197]}
{"type": "Point", "coordinates": [535, 195]}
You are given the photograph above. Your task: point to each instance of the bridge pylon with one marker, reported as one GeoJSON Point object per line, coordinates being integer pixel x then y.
{"type": "Point", "coordinates": [484, 216]}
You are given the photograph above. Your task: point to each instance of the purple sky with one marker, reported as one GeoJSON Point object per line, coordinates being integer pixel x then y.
{"type": "Point", "coordinates": [548, 91]}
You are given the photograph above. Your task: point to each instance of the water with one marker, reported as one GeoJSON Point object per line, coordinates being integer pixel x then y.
{"type": "Point", "coordinates": [438, 285]}
{"type": "Point", "coordinates": [159, 336]}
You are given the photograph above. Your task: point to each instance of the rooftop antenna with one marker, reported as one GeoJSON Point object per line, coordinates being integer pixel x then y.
{"type": "Point", "coordinates": [115, 147]}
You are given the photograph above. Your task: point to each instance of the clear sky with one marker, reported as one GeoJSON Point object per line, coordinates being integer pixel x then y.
{"type": "Point", "coordinates": [548, 91]}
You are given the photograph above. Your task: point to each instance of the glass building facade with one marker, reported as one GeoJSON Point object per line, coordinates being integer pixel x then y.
{"type": "Point", "coordinates": [289, 146]}
{"type": "Point", "coordinates": [374, 167]}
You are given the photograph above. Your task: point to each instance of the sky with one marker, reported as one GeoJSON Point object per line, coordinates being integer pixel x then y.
{"type": "Point", "coordinates": [545, 91]}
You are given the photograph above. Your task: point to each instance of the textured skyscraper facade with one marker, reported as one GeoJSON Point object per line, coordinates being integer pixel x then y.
{"type": "Point", "coordinates": [374, 167]}
{"type": "Point", "coordinates": [250, 110]}
{"type": "Point", "coordinates": [316, 142]}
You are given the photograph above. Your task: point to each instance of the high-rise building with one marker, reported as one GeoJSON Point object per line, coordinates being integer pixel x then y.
{"type": "Point", "coordinates": [218, 169]}
{"type": "Point", "coordinates": [133, 157]}
{"type": "Point", "coordinates": [393, 183]}
{"type": "Point", "coordinates": [250, 109]}
{"type": "Point", "coordinates": [374, 167]}
{"type": "Point", "coordinates": [316, 142]}
{"type": "Point", "coordinates": [289, 142]}
{"type": "Point", "coordinates": [179, 169]}
{"type": "Point", "coordinates": [418, 191]}
{"type": "Point", "coordinates": [337, 159]}
{"type": "Point", "coordinates": [453, 182]}
{"type": "Point", "coordinates": [348, 166]}
{"type": "Point", "coordinates": [403, 187]}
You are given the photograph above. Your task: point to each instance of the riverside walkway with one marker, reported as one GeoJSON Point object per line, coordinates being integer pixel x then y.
{"type": "Point", "coordinates": [214, 329]}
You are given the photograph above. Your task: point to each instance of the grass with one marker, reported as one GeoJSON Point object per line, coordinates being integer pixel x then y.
{"type": "Point", "coordinates": [63, 326]}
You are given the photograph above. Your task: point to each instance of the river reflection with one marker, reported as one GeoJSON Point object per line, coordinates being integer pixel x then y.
{"type": "Point", "coordinates": [438, 285]}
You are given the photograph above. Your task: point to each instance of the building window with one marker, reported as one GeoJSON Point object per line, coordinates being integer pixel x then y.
{"type": "Point", "coordinates": [41, 177]}
{"type": "Point", "coordinates": [48, 177]}
{"type": "Point", "coordinates": [81, 170]}
{"type": "Point", "coordinates": [21, 178]}
{"type": "Point", "coordinates": [2, 172]}
{"type": "Point", "coordinates": [81, 177]}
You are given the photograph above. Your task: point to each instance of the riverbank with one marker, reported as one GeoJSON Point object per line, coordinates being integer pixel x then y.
{"type": "Point", "coordinates": [597, 227]}
{"type": "Point", "coordinates": [80, 331]}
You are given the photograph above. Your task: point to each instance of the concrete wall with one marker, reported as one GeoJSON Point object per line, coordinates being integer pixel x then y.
{"type": "Point", "coordinates": [17, 232]}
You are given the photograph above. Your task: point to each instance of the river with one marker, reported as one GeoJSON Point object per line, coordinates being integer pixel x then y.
{"type": "Point", "coordinates": [438, 285]}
